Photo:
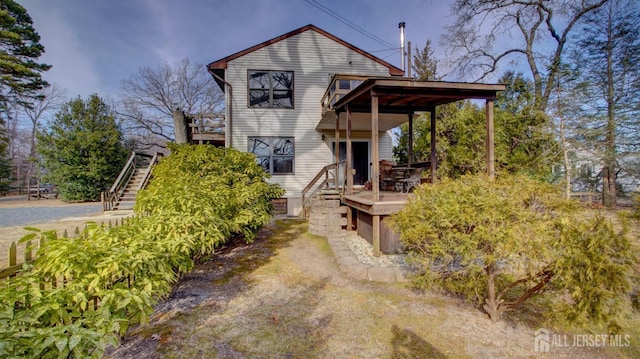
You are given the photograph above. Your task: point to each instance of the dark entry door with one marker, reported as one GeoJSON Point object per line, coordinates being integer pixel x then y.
{"type": "Point", "coordinates": [359, 159]}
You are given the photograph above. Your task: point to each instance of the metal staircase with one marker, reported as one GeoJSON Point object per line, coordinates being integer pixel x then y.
{"type": "Point", "coordinates": [133, 177]}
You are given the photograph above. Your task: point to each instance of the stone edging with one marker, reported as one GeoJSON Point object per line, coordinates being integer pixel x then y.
{"type": "Point", "coordinates": [350, 265]}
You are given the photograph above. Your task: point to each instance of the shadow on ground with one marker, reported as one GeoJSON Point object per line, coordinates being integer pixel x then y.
{"type": "Point", "coordinates": [408, 345]}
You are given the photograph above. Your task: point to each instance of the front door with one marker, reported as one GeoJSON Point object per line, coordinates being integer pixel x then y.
{"type": "Point", "coordinates": [359, 160]}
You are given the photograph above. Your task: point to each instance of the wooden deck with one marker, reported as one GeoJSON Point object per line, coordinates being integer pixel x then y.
{"type": "Point", "coordinates": [388, 202]}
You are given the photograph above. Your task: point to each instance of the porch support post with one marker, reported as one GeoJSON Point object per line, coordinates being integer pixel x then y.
{"type": "Point", "coordinates": [336, 151]}
{"type": "Point", "coordinates": [434, 160]}
{"type": "Point", "coordinates": [491, 156]}
{"type": "Point", "coordinates": [376, 235]}
{"type": "Point", "coordinates": [348, 165]}
{"type": "Point", "coordinates": [375, 173]}
{"type": "Point", "coordinates": [410, 152]}
{"type": "Point", "coordinates": [375, 165]}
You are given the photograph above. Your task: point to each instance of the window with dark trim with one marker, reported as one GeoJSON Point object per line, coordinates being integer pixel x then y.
{"type": "Point", "coordinates": [274, 154]}
{"type": "Point", "coordinates": [270, 89]}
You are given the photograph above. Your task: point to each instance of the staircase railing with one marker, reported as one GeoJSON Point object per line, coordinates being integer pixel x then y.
{"type": "Point", "coordinates": [147, 175]}
{"type": "Point", "coordinates": [327, 175]}
{"type": "Point", "coordinates": [111, 197]}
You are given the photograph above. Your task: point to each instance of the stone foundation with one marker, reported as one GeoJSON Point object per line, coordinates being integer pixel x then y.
{"type": "Point", "coordinates": [327, 217]}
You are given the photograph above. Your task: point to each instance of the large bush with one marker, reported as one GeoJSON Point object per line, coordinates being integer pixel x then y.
{"type": "Point", "coordinates": [222, 187]}
{"type": "Point", "coordinates": [498, 243]}
{"type": "Point", "coordinates": [198, 198]}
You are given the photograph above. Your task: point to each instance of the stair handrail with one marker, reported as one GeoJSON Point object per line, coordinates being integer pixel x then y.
{"type": "Point", "coordinates": [130, 163]}
{"type": "Point", "coordinates": [314, 182]}
{"type": "Point", "coordinates": [147, 176]}
{"type": "Point", "coordinates": [109, 198]}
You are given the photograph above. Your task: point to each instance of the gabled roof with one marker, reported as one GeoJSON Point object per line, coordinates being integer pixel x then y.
{"type": "Point", "coordinates": [222, 63]}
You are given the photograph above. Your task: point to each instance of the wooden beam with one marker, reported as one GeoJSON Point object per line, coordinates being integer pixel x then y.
{"type": "Point", "coordinates": [376, 235]}
{"type": "Point", "coordinates": [349, 150]}
{"type": "Point", "coordinates": [434, 159]}
{"type": "Point", "coordinates": [336, 151]}
{"type": "Point", "coordinates": [375, 156]}
{"type": "Point", "coordinates": [491, 156]}
{"type": "Point", "coordinates": [410, 150]}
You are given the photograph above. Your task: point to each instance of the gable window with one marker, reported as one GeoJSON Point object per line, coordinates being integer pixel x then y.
{"type": "Point", "coordinates": [270, 89]}
{"type": "Point", "coordinates": [274, 154]}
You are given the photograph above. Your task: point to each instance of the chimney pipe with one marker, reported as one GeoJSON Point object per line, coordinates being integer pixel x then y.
{"type": "Point", "coordinates": [402, 54]}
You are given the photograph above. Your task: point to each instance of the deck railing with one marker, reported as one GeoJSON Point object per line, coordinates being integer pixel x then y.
{"type": "Point", "coordinates": [340, 86]}
{"type": "Point", "coordinates": [204, 128]}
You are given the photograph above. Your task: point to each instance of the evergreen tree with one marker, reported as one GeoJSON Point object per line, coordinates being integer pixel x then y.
{"type": "Point", "coordinates": [425, 64]}
{"type": "Point", "coordinates": [83, 149]}
{"type": "Point", "coordinates": [20, 74]}
{"type": "Point", "coordinates": [19, 48]}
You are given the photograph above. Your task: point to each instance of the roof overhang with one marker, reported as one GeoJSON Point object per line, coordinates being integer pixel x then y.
{"type": "Point", "coordinates": [406, 96]}
{"type": "Point", "coordinates": [397, 99]}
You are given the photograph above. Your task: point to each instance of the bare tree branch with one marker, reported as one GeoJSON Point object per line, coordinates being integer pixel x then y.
{"type": "Point", "coordinates": [149, 97]}
{"type": "Point", "coordinates": [471, 38]}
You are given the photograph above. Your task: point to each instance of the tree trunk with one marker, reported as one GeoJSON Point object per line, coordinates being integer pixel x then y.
{"type": "Point", "coordinates": [492, 305]}
{"type": "Point", "coordinates": [609, 196]}
{"type": "Point", "coordinates": [565, 159]}
{"type": "Point", "coordinates": [180, 126]}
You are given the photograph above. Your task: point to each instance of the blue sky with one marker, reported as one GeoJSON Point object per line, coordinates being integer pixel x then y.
{"type": "Point", "coordinates": [94, 44]}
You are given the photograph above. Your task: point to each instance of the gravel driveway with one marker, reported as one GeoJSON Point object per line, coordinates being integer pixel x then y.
{"type": "Point", "coordinates": [18, 211]}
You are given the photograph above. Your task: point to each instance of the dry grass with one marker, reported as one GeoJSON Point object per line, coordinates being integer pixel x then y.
{"type": "Point", "coordinates": [284, 297]}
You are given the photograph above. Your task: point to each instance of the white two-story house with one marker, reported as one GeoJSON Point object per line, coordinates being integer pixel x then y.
{"type": "Point", "coordinates": [274, 92]}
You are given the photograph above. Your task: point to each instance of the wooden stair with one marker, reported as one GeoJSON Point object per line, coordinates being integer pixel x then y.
{"type": "Point", "coordinates": [134, 176]}
{"type": "Point", "coordinates": [128, 197]}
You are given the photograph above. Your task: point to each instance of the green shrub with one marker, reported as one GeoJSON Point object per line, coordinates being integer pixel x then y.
{"type": "Point", "coordinates": [498, 243]}
{"type": "Point", "coordinates": [199, 196]}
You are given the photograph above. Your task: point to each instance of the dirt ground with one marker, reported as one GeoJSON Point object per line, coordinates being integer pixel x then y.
{"type": "Point", "coordinates": [285, 297]}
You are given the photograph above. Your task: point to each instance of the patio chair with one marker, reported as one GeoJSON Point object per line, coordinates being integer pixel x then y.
{"type": "Point", "coordinates": [409, 183]}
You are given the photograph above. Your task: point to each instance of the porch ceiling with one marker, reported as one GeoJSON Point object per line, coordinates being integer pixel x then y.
{"type": "Point", "coordinates": [361, 121]}
{"type": "Point", "coordinates": [399, 97]}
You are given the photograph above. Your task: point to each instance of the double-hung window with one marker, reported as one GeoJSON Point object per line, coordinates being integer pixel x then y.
{"type": "Point", "coordinates": [270, 89]}
{"type": "Point", "coordinates": [274, 154]}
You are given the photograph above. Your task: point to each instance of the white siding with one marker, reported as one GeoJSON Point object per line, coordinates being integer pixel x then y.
{"type": "Point", "coordinates": [313, 58]}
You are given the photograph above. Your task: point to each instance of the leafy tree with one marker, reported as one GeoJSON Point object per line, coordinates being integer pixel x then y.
{"type": "Point", "coordinates": [500, 243]}
{"type": "Point", "coordinates": [460, 139]}
{"type": "Point", "coordinates": [607, 57]}
{"type": "Point", "coordinates": [19, 48]}
{"type": "Point", "coordinates": [149, 98]}
{"type": "Point", "coordinates": [524, 140]}
{"type": "Point", "coordinates": [544, 28]}
{"type": "Point", "coordinates": [83, 149]}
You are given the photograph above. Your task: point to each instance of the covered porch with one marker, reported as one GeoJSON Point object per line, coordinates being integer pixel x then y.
{"type": "Point", "coordinates": [376, 105]}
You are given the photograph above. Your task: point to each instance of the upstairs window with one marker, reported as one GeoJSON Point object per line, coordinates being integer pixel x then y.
{"type": "Point", "coordinates": [274, 154]}
{"type": "Point", "coordinates": [270, 89]}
